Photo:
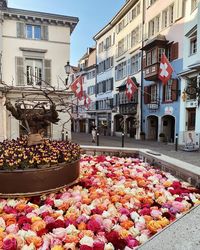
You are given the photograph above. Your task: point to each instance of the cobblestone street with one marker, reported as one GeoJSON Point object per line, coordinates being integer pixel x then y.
{"type": "Point", "coordinates": [113, 141]}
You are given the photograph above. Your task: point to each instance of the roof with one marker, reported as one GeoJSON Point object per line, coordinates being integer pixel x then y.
{"type": "Point", "coordinates": [43, 16]}
{"type": "Point", "coordinates": [120, 14]}
{"type": "Point", "coordinates": [161, 39]}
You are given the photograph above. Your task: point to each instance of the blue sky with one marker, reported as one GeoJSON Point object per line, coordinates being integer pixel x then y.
{"type": "Point", "coordinates": [93, 16]}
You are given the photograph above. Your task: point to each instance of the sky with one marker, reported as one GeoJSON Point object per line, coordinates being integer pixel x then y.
{"type": "Point", "coordinates": [93, 16]}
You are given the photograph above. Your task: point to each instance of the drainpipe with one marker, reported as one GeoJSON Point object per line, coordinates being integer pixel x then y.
{"type": "Point", "coordinates": [142, 65]}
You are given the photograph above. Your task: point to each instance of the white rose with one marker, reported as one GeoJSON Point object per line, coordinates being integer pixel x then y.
{"type": "Point", "coordinates": [28, 247]}
{"type": "Point", "coordinates": [88, 241]}
{"type": "Point", "coordinates": [58, 202]}
{"type": "Point", "coordinates": [12, 203]}
{"type": "Point", "coordinates": [134, 231]}
{"type": "Point", "coordinates": [2, 223]}
{"type": "Point", "coordinates": [135, 216]}
{"type": "Point", "coordinates": [105, 214]}
{"type": "Point", "coordinates": [109, 246]}
{"type": "Point", "coordinates": [142, 238]}
{"type": "Point", "coordinates": [71, 229]}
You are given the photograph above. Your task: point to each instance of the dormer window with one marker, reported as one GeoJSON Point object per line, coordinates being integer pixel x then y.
{"type": "Point", "coordinates": [33, 32]}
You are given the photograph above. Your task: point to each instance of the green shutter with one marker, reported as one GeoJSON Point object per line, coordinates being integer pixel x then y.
{"type": "Point", "coordinates": [20, 30]}
{"type": "Point", "coordinates": [19, 71]}
{"type": "Point", "coordinates": [45, 33]}
{"type": "Point", "coordinates": [47, 71]}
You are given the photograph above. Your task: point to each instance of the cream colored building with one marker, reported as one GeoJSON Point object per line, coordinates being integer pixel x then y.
{"type": "Point", "coordinates": [34, 48]}
{"type": "Point", "coordinates": [119, 57]}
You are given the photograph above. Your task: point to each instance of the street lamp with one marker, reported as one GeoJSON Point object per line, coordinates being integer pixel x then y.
{"type": "Point", "coordinates": [67, 71]}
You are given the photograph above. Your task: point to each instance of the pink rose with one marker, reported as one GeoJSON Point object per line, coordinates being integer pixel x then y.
{"type": "Point", "coordinates": [49, 219]}
{"type": "Point", "coordinates": [156, 213]}
{"type": "Point", "coordinates": [178, 206]}
{"type": "Point", "coordinates": [59, 233]}
{"type": "Point", "coordinates": [131, 242]}
{"type": "Point", "coordinates": [13, 228]}
{"type": "Point", "coordinates": [107, 224]}
{"type": "Point", "coordinates": [10, 244]}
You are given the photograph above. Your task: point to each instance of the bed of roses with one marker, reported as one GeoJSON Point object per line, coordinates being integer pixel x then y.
{"type": "Point", "coordinates": [118, 203]}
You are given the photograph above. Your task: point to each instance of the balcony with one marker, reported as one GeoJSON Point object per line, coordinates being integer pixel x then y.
{"type": "Point", "coordinates": [151, 72]}
{"type": "Point", "coordinates": [128, 109]}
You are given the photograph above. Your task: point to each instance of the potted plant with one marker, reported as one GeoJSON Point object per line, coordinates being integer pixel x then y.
{"type": "Point", "coordinates": [142, 135]}
{"type": "Point", "coordinates": [161, 137]}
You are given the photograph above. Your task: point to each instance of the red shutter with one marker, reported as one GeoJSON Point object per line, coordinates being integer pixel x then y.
{"type": "Point", "coordinates": [144, 62]}
{"type": "Point", "coordinates": [174, 89]}
{"type": "Point", "coordinates": [174, 51]}
{"type": "Point", "coordinates": [164, 90]}
{"type": "Point", "coordinates": [146, 95]}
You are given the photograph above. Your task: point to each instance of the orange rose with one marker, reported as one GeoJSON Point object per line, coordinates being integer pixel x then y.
{"type": "Point", "coordinates": [154, 226]}
{"type": "Point", "coordinates": [115, 198]}
{"type": "Point", "coordinates": [37, 241]}
{"type": "Point", "coordinates": [71, 239]}
{"type": "Point", "coordinates": [20, 207]}
{"type": "Point", "coordinates": [167, 184]}
{"type": "Point", "coordinates": [1, 244]}
{"type": "Point", "coordinates": [82, 226]}
{"type": "Point", "coordinates": [127, 224]}
{"type": "Point", "coordinates": [64, 206]}
{"type": "Point", "coordinates": [10, 221]}
{"type": "Point", "coordinates": [86, 201]}
{"type": "Point", "coordinates": [147, 218]}
{"type": "Point", "coordinates": [38, 225]}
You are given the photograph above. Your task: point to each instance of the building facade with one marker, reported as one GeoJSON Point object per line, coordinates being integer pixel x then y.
{"type": "Point", "coordinates": [34, 48]}
{"type": "Point", "coordinates": [84, 111]}
{"type": "Point", "coordinates": [163, 33]}
{"type": "Point", "coordinates": [190, 76]}
{"type": "Point", "coordinates": [119, 57]}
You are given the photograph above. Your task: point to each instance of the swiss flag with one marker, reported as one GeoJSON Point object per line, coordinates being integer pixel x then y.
{"type": "Point", "coordinates": [165, 70]}
{"type": "Point", "coordinates": [87, 101]}
{"type": "Point", "coordinates": [130, 88]}
{"type": "Point", "coordinates": [77, 87]}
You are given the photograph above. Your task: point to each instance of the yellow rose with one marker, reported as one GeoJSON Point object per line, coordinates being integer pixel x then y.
{"type": "Point", "coordinates": [35, 218]}
{"type": "Point", "coordinates": [57, 248]}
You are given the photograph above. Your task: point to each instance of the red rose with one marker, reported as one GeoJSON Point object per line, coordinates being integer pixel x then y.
{"type": "Point", "coordinates": [98, 245]}
{"type": "Point", "coordinates": [114, 238]}
{"type": "Point", "coordinates": [59, 223]}
{"type": "Point", "coordinates": [145, 211]}
{"type": "Point", "coordinates": [10, 244]}
{"type": "Point", "coordinates": [23, 220]}
{"type": "Point", "coordinates": [41, 232]}
{"type": "Point", "coordinates": [85, 247]}
{"type": "Point", "coordinates": [93, 225]}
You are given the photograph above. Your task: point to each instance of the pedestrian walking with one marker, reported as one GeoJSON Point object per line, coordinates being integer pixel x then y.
{"type": "Point", "coordinates": [93, 135]}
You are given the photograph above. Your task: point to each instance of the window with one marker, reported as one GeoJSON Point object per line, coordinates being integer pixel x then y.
{"type": "Point", "coordinates": [135, 63]}
{"type": "Point", "coordinates": [135, 36]}
{"type": "Point", "coordinates": [91, 74]}
{"type": "Point", "coordinates": [91, 90]}
{"type": "Point", "coordinates": [100, 47]}
{"type": "Point", "coordinates": [33, 32]}
{"type": "Point", "coordinates": [109, 84]}
{"type": "Point", "coordinates": [167, 91]}
{"type": "Point", "coordinates": [120, 71]}
{"type": "Point", "coordinates": [105, 65]}
{"type": "Point", "coordinates": [153, 93]}
{"type": "Point", "coordinates": [151, 57]}
{"type": "Point", "coordinates": [154, 26]}
{"type": "Point", "coordinates": [121, 47]}
{"type": "Point", "coordinates": [160, 52]}
{"type": "Point", "coordinates": [193, 5]}
{"type": "Point", "coordinates": [193, 43]}
{"type": "Point", "coordinates": [171, 14]}
{"type": "Point", "coordinates": [108, 42]}
{"type": "Point", "coordinates": [164, 18]}
{"type": "Point", "coordinates": [135, 11]}
{"type": "Point", "coordinates": [33, 72]}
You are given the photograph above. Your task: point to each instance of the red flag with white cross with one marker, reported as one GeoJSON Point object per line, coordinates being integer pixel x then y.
{"type": "Point", "coordinates": [165, 70]}
{"type": "Point", "coordinates": [131, 87]}
{"type": "Point", "coordinates": [87, 101]}
{"type": "Point", "coordinates": [77, 87]}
